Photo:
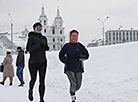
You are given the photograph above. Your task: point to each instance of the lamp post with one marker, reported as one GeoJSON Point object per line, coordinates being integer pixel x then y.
{"type": "Point", "coordinates": [103, 24]}
{"type": "Point", "coordinates": [11, 32]}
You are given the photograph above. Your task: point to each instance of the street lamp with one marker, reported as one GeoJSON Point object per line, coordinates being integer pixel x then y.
{"type": "Point", "coordinates": [11, 33]}
{"type": "Point", "coordinates": [103, 23]}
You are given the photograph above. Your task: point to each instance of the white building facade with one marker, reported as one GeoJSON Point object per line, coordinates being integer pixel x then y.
{"type": "Point", "coordinates": [54, 33]}
{"type": "Point", "coordinates": [120, 36]}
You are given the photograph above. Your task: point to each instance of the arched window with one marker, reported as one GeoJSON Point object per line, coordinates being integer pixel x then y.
{"type": "Point", "coordinates": [44, 22]}
{"type": "Point", "coordinates": [54, 46]}
{"type": "Point", "coordinates": [45, 30]}
{"type": "Point", "coordinates": [61, 32]}
{"type": "Point", "coordinates": [53, 39]}
{"type": "Point", "coordinates": [61, 40]}
{"type": "Point", "coordinates": [53, 30]}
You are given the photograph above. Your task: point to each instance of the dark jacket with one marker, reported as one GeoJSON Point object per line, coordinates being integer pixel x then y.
{"type": "Point", "coordinates": [36, 46]}
{"type": "Point", "coordinates": [72, 55]}
{"type": "Point", "coordinates": [20, 59]}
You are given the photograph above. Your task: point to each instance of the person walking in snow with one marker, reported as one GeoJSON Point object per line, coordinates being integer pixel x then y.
{"type": "Point", "coordinates": [20, 65]}
{"type": "Point", "coordinates": [8, 69]}
{"type": "Point", "coordinates": [37, 46]}
{"type": "Point", "coordinates": [72, 55]}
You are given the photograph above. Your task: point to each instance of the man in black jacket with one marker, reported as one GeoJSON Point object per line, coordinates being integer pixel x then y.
{"type": "Point", "coordinates": [20, 65]}
{"type": "Point", "coordinates": [72, 55]}
{"type": "Point", "coordinates": [37, 46]}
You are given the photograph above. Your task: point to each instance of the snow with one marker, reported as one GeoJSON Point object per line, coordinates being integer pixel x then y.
{"type": "Point", "coordinates": [111, 75]}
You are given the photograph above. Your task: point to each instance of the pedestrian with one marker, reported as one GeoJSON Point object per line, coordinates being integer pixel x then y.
{"type": "Point", "coordinates": [8, 69]}
{"type": "Point", "coordinates": [20, 66]}
{"type": "Point", "coordinates": [72, 55]}
{"type": "Point", "coordinates": [37, 46]}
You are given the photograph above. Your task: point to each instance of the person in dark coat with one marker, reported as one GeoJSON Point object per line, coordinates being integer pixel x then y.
{"type": "Point", "coordinates": [72, 55]}
{"type": "Point", "coordinates": [37, 47]}
{"type": "Point", "coordinates": [20, 65]}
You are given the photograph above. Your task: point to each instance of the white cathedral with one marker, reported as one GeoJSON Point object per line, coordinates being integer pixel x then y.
{"type": "Point", "coordinates": [54, 33]}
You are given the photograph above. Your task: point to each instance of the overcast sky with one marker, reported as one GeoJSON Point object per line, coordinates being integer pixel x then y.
{"type": "Point", "coordinates": [78, 14]}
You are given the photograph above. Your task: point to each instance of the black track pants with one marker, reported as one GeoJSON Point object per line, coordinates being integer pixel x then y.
{"type": "Point", "coordinates": [41, 68]}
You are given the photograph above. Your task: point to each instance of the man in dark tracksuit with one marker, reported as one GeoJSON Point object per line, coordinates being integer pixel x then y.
{"type": "Point", "coordinates": [20, 65]}
{"type": "Point", "coordinates": [36, 46]}
{"type": "Point", "coordinates": [72, 55]}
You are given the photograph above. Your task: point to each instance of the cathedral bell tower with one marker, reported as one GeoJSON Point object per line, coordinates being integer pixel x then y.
{"type": "Point", "coordinates": [58, 22]}
{"type": "Point", "coordinates": [43, 18]}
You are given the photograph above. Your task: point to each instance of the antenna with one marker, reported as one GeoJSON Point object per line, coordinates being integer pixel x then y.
{"type": "Point", "coordinates": [58, 6]}
{"type": "Point", "coordinates": [58, 3]}
{"type": "Point", "coordinates": [42, 4]}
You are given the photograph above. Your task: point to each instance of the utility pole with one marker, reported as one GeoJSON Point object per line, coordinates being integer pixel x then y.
{"type": "Point", "coordinates": [11, 33]}
{"type": "Point", "coordinates": [103, 26]}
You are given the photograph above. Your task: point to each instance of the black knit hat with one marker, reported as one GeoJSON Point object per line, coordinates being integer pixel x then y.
{"type": "Point", "coordinates": [8, 52]}
{"type": "Point", "coordinates": [36, 24]}
{"type": "Point", "coordinates": [19, 47]}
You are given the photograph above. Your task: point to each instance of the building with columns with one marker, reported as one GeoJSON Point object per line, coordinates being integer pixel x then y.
{"type": "Point", "coordinates": [54, 33]}
{"type": "Point", "coordinates": [120, 36]}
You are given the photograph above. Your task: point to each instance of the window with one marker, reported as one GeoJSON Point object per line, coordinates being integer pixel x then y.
{"type": "Point", "coordinates": [106, 36]}
{"type": "Point", "coordinates": [116, 38]}
{"type": "Point", "coordinates": [123, 34]}
{"type": "Point", "coordinates": [127, 38]}
{"type": "Point", "coordinates": [120, 38]}
{"type": "Point", "coordinates": [113, 38]}
{"type": "Point", "coordinates": [134, 36]}
{"type": "Point", "coordinates": [54, 47]}
{"type": "Point", "coordinates": [113, 34]}
{"type": "Point", "coordinates": [61, 32]}
{"type": "Point", "coordinates": [109, 38]}
{"type": "Point", "coordinates": [45, 30]}
{"type": "Point", "coordinates": [117, 34]}
{"type": "Point", "coordinates": [127, 34]}
{"type": "Point", "coordinates": [137, 35]}
{"type": "Point", "coordinates": [109, 34]}
{"type": "Point", "coordinates": [53, 30]}
{"type": "Point", "coordinates": [53, 39]}
{"type": "Point", "coordinates": [61, 40]}
{"type": "Point", "coordinates": [44, 22]}
{"type": "Point", "coordinates": [130, 34]}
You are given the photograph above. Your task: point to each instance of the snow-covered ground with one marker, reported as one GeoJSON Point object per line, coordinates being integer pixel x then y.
{"type": "Point", "coordinates": [111, 75]}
